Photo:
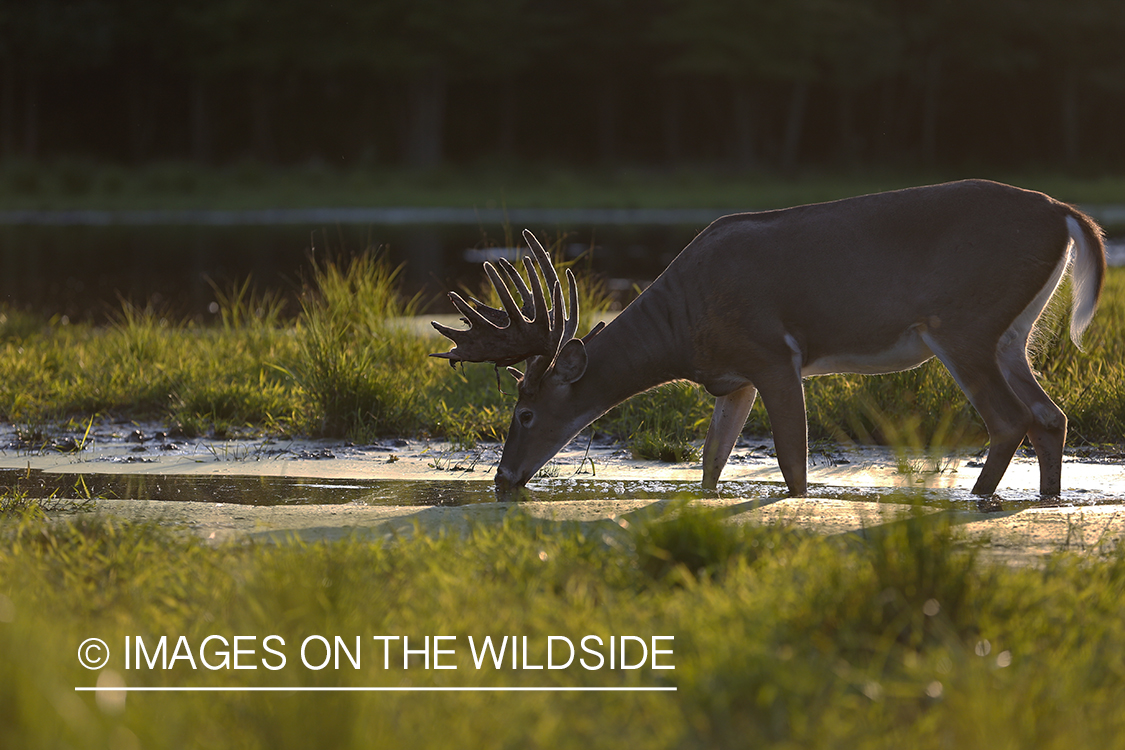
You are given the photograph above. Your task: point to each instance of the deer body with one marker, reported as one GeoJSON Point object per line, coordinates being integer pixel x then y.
{"type": "Point", "coordinates": [870, 285]}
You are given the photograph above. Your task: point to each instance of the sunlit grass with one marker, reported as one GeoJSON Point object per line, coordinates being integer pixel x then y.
{"type": "Point", "coordinates": [357, 372]}
{"type": "Point", "coordinates": [343, 365]}
{"type": "Point", "coordinates": [19, 503]}
{"type": "Point", "coordinates": [663, 424]}
{"type": "Point", "coordinates": [145, 366]}
{"type": "Point", "coordinates": [905, 638]}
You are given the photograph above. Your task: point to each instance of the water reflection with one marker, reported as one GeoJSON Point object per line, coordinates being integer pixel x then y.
{"type": "Point", "coordinates": [275, 491]}
{"type": "Point", "coordinates": [81, 271]}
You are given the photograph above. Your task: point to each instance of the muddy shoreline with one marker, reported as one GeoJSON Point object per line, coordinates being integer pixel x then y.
{"type": "Point", "coordinates": [326, 489]}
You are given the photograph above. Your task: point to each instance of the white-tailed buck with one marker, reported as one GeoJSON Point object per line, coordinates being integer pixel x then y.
{"type": "Point", "coordinates": [758, 301]}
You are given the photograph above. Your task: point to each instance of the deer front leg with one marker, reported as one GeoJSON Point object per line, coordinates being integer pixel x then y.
{"type": "Point", "coordinates": [730, 415]}
{"type": "Point", "coordinates": [784, 396]}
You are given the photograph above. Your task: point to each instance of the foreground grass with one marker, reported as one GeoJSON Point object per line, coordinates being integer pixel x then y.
{"type": "Point", "coordinates": [343, 365]}
{"type": "Point", "coordinates": [779, 639]}
{"type": "Point", "coordinates": [69, 184]}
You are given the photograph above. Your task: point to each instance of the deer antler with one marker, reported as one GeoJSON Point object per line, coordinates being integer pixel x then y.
{"type": "Point", "coordinates": [512, 334]}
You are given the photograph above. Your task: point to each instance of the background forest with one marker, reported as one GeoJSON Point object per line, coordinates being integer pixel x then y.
{"type": "Point", "coordinates": [766, 84]}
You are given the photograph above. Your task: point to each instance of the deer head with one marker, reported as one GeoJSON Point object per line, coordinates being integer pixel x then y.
{"type": "Point", "coordinates": [514, 333]}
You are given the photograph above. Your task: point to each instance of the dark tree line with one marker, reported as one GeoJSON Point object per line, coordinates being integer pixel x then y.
{"type": "Point", "coordinates": [743, 83]}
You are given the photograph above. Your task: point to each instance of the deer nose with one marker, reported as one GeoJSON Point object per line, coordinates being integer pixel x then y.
{"type": "Point", "coordinates": [505, 487]}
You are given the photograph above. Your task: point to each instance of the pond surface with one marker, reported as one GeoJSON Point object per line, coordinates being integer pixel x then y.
{"type": "Point", "coordinates": [428, 492]}
{"type": "Point", "coordinates": [82, 271]}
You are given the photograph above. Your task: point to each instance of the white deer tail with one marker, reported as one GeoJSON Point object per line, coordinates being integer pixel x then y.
{"type": "Point", "coordinates": [1087, 252]}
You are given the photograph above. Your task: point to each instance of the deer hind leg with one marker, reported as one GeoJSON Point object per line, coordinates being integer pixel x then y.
{"type": "Point", "coordinates": [727, 422]}
{"type": "Point", "coordinates": [1048, 427]}
{"type": "Point", "coordinates": [977, 371]}
{"type": "Point", "coordinates": [1047, 430]}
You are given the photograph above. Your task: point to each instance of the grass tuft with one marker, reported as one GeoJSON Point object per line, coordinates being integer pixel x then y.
{"type": "Point", "coordinates": [702, 542]}
{"type": "Point", "coordinates": [663, 423]}
{"type": "Point", "coordinates": [358, 371]}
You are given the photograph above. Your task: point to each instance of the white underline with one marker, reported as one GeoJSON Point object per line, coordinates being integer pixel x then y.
{"type": "Point", "coordinates": [297, 689]}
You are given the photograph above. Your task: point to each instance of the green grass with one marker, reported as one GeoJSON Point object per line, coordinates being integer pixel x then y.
{"type": "Point", "coordinates": [781, 639]}
{"type": "Point", "coordinates": [15, 502]}
{"type": "Point", "coordinates": [341, 366]}
{"type": "Point", "coordinates": [663, 424]}
{"type": "Point", "coordinates": [79, 184]}
{"type": "Point", "coordinates": [356, 370]}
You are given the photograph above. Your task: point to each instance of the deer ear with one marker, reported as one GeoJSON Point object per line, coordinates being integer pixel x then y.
{"type": "Point", "coordinates": [516, 374]}
{"type": "Point", "coordinates": [594, 331]}
{"type": "Point", "coordinates": [570, 364]}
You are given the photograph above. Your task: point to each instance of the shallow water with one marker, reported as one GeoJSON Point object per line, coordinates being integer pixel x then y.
{"type": "Point", "coordinates": [281, 491]}
{"type": "Point", "coordinates": [245, 490]}
{"type": "Point", "coordinates": [83, 271]}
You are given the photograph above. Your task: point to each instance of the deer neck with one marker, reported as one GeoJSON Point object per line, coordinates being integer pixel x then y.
{"type": "Point", "coordinates": [638, 350]}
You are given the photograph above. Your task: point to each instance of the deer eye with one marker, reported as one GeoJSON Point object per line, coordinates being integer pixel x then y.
{"type": "Point", "coordinates": [526, 417]}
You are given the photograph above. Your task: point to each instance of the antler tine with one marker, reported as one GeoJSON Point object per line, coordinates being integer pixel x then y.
{"type": "Point", "coordinates": [563, 326]}
{"type": "Point", "coordinates": [516, 280]}
{"type": "Point", "coordinates": [542, 258]}
{"type": "Point", "coordinates": [476, 321]}
{"type": "Point", "coordinates": [503, 292]}
{"type": "Point", "coordinates": [557, 321]}
{"type": "Point", "coordinates": [510, 334]}
{"type": "Point", "coordinates": [572, 320]}
{"type": "Point", "coordinates": [470, 314]}
{"type": "Point", "coordinates": [539, 303]}
{"type": "Point", "coordinates": [499, 316]}
{"type": "Point", "coordinates": [484, 341]}
{"type": "Point", "coordinates": [534, 317]}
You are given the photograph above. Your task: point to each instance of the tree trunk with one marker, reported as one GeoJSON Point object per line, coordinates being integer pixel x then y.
{"type": "Point", "coordinates": [930, 108]}
{"type": "Point", "coordinates": [140, 128]}
{"type": "Point", "coordinates": [1071, 121]}
{"type": "Point", "coordinates": [8, 111]}
{"type": "Point", "coordinates": [261, 103]}
{"type": "Point", "coordinates": [795, 123]}
{"type": "Point", "coordinates": [890, 124]}
{"type": "Point", "coordinates": [509, 111]}
{"type": "Point", "coordinates": [425, 120]}
{"type": "Point", "coordinates": [848, 147]}
{"type": "Point", "coordinates": [607, 120]}
{"type": "Point", "coordinates": [31, 116]}
{"type": "Point", "coordinates": [671, 111]}
{"type": "Point", "coordinates": [744, 156]}
{"type": "Point", "coordinates": [200, 124]}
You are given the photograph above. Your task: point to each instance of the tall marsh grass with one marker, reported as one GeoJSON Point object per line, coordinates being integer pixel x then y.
{"type": "Point", "coordinates": [357, 371]}
{"type": "Point", "coordinates": [344, 364]}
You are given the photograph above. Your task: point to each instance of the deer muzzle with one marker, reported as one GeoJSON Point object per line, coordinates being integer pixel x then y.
{"type": "Point", "coordinates": [508, 488]}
